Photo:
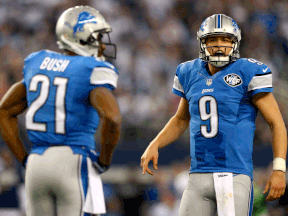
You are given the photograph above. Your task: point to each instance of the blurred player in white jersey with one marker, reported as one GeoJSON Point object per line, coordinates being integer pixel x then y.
{"type": "Point", "coordinates": [221, 94]}
{"type": "Point", "coordinates": [66, 95]}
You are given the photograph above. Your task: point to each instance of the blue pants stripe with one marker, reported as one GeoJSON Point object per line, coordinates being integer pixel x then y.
{"type": "Point", "coordinates": [251, 200]}
{"type": "Point", "coordinates": [84, 175]}
{"type": "Point", "coordinates": [84, 178]}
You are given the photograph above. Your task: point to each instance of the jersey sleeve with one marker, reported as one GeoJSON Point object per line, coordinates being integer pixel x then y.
{"type": "Point", "coordinates": [104, 76]}
{"type": "Point", "coordinates": [177, 86]}
{"type": "Point", "coordinates": [261, 80]}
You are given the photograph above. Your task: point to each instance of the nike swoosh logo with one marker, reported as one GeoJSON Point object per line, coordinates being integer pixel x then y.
{"type": "Point", "coordinates": [265, 70]}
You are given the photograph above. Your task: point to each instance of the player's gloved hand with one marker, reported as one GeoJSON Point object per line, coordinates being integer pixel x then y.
{"type": "Point", "coordinates": [24, 161]}
{"type": "Point", "coordinates": [101, 168]}
{"type": "Point", "coordinates": [94, 156]}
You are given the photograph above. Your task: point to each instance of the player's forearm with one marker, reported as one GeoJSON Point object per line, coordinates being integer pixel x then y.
{"type": "Point", "coordinates": [10, 133]}
{"type": "Point", "coordinates": [171, 132]}
{"type": "Point", "coordinates": [110, 135]}
{"type": "Point", "coordinates": [279, 140]}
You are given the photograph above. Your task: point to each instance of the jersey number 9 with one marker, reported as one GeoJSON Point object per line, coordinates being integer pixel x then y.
{"type": "Point", "coordinates": [208, 110]}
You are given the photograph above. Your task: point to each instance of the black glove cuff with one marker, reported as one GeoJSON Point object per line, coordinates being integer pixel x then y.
{"type": "Point", "coordinates": [105, 167]}
{"type": "Point", "coordinates": [24, 161]}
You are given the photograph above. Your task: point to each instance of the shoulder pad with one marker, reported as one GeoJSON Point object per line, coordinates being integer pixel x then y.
{"type": "Point", "coordinates": [32, 55]}
{"type": "Point", "coordinates": [255, 66]}
{"type": "Point", "coordinates": [109, 65]}
{"type": "Point", "coordinates": [189, 65]}
{"type": "Point", "coordinates": [188, 62]}
{"type": "Point", "coordinates": [92, 63]}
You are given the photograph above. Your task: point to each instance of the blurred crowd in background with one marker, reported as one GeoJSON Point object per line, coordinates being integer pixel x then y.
{"type": "Point", "coordinates": [153, 37]}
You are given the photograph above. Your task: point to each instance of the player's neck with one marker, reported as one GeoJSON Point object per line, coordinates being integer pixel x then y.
{"type": "Point", "coordinates": [213, 69]}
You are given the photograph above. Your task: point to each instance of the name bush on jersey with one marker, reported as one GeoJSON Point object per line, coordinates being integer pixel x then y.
{"type": "Point", "coordinates": [54, 64]}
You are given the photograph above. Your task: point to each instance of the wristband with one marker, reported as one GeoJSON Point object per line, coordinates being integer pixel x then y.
{"type": "Point", "coordinates": [279, 164]}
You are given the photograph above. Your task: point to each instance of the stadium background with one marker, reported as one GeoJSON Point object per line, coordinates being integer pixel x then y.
{"type": "Point", "coordinates": [152, 38]}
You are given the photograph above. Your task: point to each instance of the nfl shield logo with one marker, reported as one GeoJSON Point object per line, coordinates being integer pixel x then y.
{"type": "Point", "coordinates": [233, 80]}
{"type": "Point", "coordinates": [208, 82]}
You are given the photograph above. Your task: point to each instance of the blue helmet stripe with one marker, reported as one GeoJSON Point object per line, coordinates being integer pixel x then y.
{"type": "Point", "coordinates": [219, 21]}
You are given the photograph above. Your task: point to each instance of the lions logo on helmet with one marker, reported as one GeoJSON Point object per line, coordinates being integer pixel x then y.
{"type": "Point", "coordinates": [235, 25]}
{"type": "Point", "coordinates": [83, 18]}
{"type": "Point", "coordinates": [204, 24]}
{"type": "Point", "coordinates": [78, 31]}
{"type": "Point", "coordinates": [219, 24]}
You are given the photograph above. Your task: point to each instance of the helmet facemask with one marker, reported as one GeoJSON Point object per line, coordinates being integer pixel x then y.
{"type": "Point", "coordinates": [219, 59]}
{"type": "Point", "coordinates": [96, 40]}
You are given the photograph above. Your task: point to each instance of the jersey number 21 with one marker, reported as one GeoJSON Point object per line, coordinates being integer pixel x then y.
{"type": "Point", "coordinates": [60, 112]}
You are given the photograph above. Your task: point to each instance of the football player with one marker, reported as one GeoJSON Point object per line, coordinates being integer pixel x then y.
{"type": "Point", "coordinates": [220, 96]}
{"type": "Point", "coordinates": [66, 95]}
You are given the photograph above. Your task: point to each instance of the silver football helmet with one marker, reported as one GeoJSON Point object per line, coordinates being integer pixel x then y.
{"type": "Point", "coordinates": [219, 24]}
{"type": "Point", "coordinates": [80, 29]}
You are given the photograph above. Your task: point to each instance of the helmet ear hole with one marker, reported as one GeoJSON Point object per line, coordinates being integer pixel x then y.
{"type": "Point", "coordinates": [91, 39]}
{"type": "Point", "coordinates": [82, 42]}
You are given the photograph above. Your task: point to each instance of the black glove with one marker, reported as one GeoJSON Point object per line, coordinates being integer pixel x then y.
{"type": "Point", "coordinates": [94, 156]}
{"type": "Point", "coordinates": [24, 162]}
{"type": "Point", "coordinates": [101, 168]}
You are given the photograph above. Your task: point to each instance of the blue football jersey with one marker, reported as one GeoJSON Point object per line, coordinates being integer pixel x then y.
{"type": "Point", "coordinates": [58, 88]}
{"type": "Point", "coordinates": [222, 113]}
